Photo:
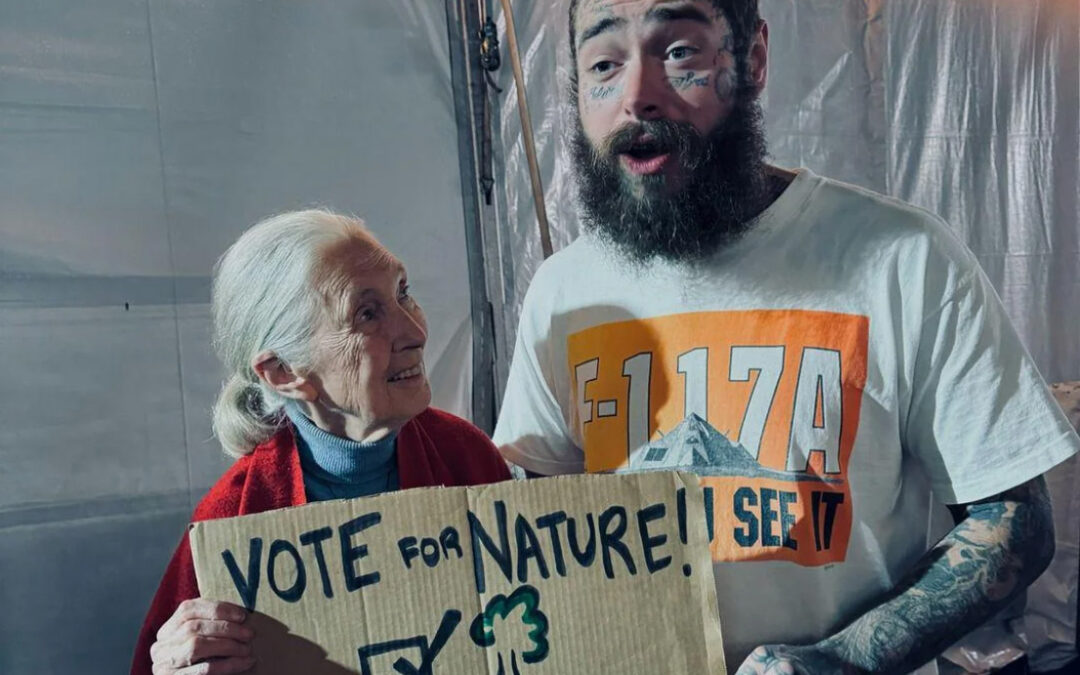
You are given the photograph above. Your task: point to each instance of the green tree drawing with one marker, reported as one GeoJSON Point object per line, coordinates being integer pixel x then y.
{"type": "Point", "coordinates": [482, 630]}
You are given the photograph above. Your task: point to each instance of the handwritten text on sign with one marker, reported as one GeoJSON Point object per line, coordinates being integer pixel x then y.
{"type": "Point", "coordinates": [512, 577]}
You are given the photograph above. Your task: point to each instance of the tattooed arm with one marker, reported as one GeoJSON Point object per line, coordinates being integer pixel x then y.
{"type": "Point", "coordinates": [996, 550]}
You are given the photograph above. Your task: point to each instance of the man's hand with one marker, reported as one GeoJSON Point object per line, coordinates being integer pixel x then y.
{"type": "Point", "coordinates": [792, 660]}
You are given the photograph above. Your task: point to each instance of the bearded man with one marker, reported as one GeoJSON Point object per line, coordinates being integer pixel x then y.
{"type": "Point", "coordinates": [827, 359]}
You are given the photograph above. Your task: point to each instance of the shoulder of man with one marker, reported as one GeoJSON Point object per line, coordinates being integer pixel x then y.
{"type": "Point", "coordinates": [874, 214]}
{"type": "Point", "coordinates": [567, 259]}
{"type": "Point", "coordinates": [562, 275]}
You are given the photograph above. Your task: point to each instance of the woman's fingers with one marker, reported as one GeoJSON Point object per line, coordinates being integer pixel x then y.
{"type": "Point", "coordinates": [201, 648]}
{"type": "Point", "coordinates": [200, 608]}
{"type": "Point", "coordinates": [203, 636]}
{"type": "Point", "coordinates": [223, 667]}
{"type": "Point", "coordinates": [179, 657]}
{"type": "Point", "coordinates": [217, 629]}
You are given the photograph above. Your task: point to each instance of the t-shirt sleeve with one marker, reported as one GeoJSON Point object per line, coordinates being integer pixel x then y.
{"type": "Point", "coordinates": [532, 431]}
{"type": "Point", "coordinates": [981, 419]}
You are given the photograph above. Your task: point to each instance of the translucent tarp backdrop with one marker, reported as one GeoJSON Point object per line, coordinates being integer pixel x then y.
{"type": "Point", "coordinates": [138, 138]}
{"type": "Point", "coordinates": [967, 108]}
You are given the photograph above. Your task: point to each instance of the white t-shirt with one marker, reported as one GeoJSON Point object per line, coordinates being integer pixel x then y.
{"type": "Point", "coordinates": [823, 374]}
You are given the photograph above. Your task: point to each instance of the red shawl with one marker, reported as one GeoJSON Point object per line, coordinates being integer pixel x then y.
{"type": "Point", "coordinates": [434, 448]}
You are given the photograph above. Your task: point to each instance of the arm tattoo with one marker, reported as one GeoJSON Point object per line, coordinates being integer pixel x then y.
{"type": "Point", "coordinates": [986, 561]}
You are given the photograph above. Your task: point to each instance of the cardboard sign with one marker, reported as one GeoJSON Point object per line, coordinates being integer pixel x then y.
{"type": "Point", "coordinates": [555, 576]}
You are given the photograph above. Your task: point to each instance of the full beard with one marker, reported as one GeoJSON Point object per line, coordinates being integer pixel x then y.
{"type": "Point", "coordinates": [721, 188]}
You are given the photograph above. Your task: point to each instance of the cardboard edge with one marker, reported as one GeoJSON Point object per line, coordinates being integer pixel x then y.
{"type": "Point", "coordinates": [195, 543]}
{"type": "Point", "coordinates": [711, 620]}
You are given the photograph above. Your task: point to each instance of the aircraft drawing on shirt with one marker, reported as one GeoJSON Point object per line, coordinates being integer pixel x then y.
{"type": "Point", "coordinates": [696, 446]}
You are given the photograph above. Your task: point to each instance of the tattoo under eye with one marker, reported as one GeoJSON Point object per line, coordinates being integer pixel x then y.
{"type": "Point", "coordinates": [690, 80]}
{"type": "Point", "coordinates": [600, 95]}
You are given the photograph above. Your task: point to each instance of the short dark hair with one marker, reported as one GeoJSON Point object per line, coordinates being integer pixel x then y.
{"type": "Point", "coordinates": [741, 15]}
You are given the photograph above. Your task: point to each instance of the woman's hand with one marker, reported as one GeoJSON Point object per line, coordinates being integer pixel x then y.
{"type": "Point", "coordinates": [203, 637]}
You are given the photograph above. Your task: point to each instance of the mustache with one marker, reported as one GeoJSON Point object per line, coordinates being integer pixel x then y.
{"type": "Point", "coordinates": [723, 186]}
{"type": "Point", "coordinates": [663, 136]}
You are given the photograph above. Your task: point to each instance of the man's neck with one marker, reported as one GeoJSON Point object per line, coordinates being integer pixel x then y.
{"type": "Point", "coordinates": [779, 179]}
{"type": "Point", "coordinates": [776, 181]}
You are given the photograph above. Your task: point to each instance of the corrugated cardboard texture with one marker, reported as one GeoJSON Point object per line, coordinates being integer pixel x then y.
{"type": "Point", "coordinates": [578, 574]}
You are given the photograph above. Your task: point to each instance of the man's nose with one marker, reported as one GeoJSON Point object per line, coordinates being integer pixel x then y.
{"type": "Point", "coordinates": [646, 90]}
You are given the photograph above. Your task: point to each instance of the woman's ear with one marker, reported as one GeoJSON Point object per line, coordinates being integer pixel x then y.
{"type": "Point", "coordinates": [277, 375]}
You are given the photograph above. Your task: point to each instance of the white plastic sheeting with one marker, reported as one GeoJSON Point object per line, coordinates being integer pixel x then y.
{"type": "Point", "coordinates": [968, 109]}
{"type": "Point", "coordinates": [138, 138]}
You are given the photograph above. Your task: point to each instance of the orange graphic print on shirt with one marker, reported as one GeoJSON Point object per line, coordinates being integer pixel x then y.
{"type": "Point", "coordinates": [763, 405]}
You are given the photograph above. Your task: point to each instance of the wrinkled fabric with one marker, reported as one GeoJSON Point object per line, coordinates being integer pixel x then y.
{"type": "Point", "coordinates": [138, 139]}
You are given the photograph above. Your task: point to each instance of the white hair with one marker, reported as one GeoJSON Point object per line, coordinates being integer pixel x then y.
{"type": "Point", "coordinates": [264, 298]}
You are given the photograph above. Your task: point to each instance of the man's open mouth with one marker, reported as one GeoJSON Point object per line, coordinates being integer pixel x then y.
{"type": "Point", "coordinates": [645, 156]}
{"type": "Point", "coordinates": [645, 150]}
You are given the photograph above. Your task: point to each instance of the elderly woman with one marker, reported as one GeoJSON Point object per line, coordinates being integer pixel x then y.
{"type": "Point", "coordinates": [326, 398]}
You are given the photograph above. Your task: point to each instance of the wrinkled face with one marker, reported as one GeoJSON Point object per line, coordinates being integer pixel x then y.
{"type": "Point", "coordinates": [369, 347]}
{"type": "Point", "coordinates": [642, 60]}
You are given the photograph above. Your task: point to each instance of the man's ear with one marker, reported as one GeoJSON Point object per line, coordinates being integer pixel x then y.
{"type": "Point", "coordinates": [758, 57]}
{"type": "Point", "coordinates": [277, 374]}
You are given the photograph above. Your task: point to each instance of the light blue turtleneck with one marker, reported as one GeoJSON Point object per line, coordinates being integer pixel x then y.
{"type": "Point", "coordinates": [341, 468]}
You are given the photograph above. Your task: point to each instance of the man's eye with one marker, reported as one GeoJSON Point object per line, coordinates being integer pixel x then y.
{"type": "Point", "coordinates": [403, 294]}
{"type": "Point", "coordinates": [681, 53]}
{"type": "Point", "coordinates": [365, 314]}
{"type": "Point", "coordinates": [601, 67]}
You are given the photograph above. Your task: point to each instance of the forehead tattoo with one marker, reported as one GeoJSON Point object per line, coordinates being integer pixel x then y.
{"type": "Point", "coordinates": [603, 18]}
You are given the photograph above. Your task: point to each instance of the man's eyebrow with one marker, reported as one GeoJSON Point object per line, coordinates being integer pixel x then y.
{"type": "Point", "coordinates": [602, 26]}
{"type": "Point", "coordinates": [683, 13]}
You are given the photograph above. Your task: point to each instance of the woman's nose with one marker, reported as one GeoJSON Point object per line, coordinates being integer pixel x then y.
{"type": "Point", "coordinates": [410, 329]}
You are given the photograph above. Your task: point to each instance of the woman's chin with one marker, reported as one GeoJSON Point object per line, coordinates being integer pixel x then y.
{"type": "Point", "coordinates": [414, 394]}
